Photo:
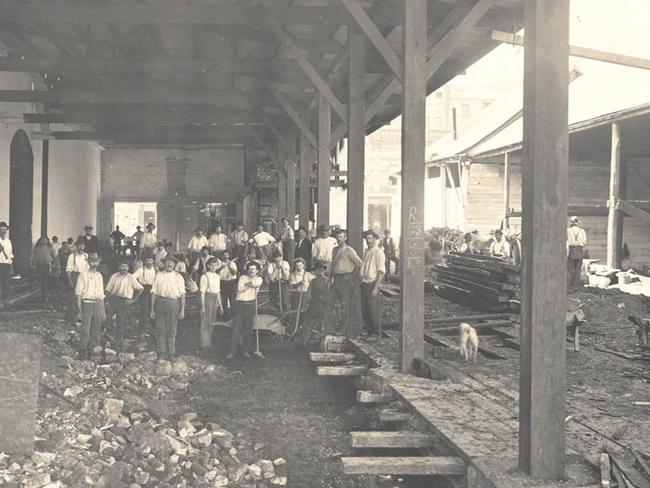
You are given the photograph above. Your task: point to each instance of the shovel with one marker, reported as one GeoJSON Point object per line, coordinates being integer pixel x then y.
{"type": "Point", "coordinates": [257, 352]}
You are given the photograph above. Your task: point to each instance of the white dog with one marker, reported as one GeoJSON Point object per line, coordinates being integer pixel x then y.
{"type": "Point", "coordinates": [468, 341]}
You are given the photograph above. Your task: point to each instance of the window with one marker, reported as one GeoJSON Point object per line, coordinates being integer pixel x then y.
{"type": "Point", "coordinates": [392, 180]}
{"type": "Point", "coordinates": [455, 176]}
{"type": "Point", "coordinates": [433, 172]}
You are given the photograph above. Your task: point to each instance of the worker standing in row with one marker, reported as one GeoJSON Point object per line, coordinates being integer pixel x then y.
{"type": "Point", "coordinates": [576, 241]}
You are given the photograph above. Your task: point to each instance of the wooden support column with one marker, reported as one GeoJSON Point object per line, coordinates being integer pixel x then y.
{"type": "Point", "coordinates": [282, 192]}
{"type": "Point", "coordinates": [304, 193]}
{"type": "Point", "coordinates": [414, 44]}
{"type": "Point", "coordinates": [614, 217]}
{"type": "Point", "coordinates": [291, 179]}
{"type": "Point", "coordinates": [324, 165]}
{"type": "Point", "coordinates": [506, 191]}
{"type": "Point", "coordinates": [356, 138]}
{"type": "Point", "coordinates": [45, 173]}
{"type": "Point", "coordinates": [542, 441]}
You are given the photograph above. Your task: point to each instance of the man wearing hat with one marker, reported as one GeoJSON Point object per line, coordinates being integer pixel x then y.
{"type": "Point", "coordinates": [500, 246]}
{"type": "Point", "coordinates": [145, 276]}
{"type": "Point", "coordinates": [239, 242]}
{"type": "Point", "coordinates": [148, 241]}
{"type": "Point", "coordinates": [303, 246]}
{"type": "Point", "coordinates": [197, 242]}
{"type": "Point", "coordinates": [77, 264]}
{"type": "Point", "coordinates": [287, 238]}
{"type": "Point", "coordinates": [6, 260]}
{"type": "Point", "coordinates": [373, 269]}
{"type": "Point", "coordinates": [90, 241]}
{"type": "Point", "coordinates": [323, 247]}
{"type": "Point", "coordinates": [167, 307]}
{"type": "Point", "coordinates": [576, 239]}
{"type": "Point", "coordinates": [345, 286]}
{"type": "Point", "coordinates": [245, 310]}
{"type": "Point", "coordinates": [137, 236]}
{"type": "Point", "coordinates": [123, 289]}
{"type": "Point", "coordinates": [210, 297]}
{"type": "Point", "coordinates": [277, 278]}
{"type": "Point", "coordinates": [319, 309]}
{"type": "Point", "coordinates": [89, 294]}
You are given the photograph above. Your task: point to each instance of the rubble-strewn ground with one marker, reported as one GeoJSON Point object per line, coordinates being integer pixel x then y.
{"type": "Point", "coordinates": [129, 420]}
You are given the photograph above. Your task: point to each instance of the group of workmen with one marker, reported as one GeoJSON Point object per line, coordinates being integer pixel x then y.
{"type": "Point", "coordinates": [335, 289]}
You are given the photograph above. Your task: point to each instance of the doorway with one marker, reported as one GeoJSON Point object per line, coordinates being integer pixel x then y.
{"type": "Point", "coordinates": [128, 215]}
{"type": "Point", "coordinates": [21, 195]}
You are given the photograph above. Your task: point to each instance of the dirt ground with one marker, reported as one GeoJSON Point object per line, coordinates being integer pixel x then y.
{"type": "Point", "coordinates": [603, 390]}
{"type": "Point", "coordinates": [275, 407]}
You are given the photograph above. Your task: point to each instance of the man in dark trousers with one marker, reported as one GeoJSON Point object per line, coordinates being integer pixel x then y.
{"type": "Point", "coordinates": [6, 259]}
{"type": "Point", "coordinates": [576, 242]}
{"type": "Point", "coordinates": [91, 242]}
{"type": "Point", "coordinates": [303, 246]}
{"type": "Point", "coordinates": [116, 237]}
{"type": "Point", "coordinates": [387, 244]}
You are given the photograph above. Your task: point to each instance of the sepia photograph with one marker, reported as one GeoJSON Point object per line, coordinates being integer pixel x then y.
{"type": "Point", "coordinates": [324, 244]}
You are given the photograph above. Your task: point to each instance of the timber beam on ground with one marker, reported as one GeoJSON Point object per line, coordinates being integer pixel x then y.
{"type": "Point", "coordinates": [415, 466]}
{"type": "Point", "coordinates": [332, 357]}
{"type": "Point", "coordinates": [342, 370]}
{"type": "Point", "coordinates": [394, 415]}
{"type": "Point", "coordinates": [372, 397]}
{"type": "Point", "coordinates": [391, 439]}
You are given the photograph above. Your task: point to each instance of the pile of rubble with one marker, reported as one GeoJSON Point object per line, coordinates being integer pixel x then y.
{"type": "Point", "coordinates": [123, 421]}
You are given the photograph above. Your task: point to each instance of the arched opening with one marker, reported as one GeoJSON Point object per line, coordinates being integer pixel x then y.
{"type": "Point", "coordinates": [21, 189]}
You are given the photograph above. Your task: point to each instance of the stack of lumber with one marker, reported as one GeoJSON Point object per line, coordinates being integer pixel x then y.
{"type": "Point", "coordinates": [480, 282]}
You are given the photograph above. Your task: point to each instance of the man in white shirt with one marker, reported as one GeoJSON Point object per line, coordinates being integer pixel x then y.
{"type": "Point", "coordinates": [277, 277]}
{"type": "Point", "coordinates": [148, 241]}
{"type": "Point", "coordinates": [121, 289]}
{"type": "Point", "coordinates": [576, 239]}
{"type": "Point", "coordinates": [218, 242]}
{"type": "Point", "coordinates": [287, 238]}
{"type": "Point", "coordinates": [145, 276]}
{"type": "Point", "coordinates": [373, 269]}
{"type": "Point", "coordinates": [239, 242]}
{"type": "Point", "coordinates": [6, 260]}
{"type": "Point", "coordinates": [323, 247]}
{"type": "Point", "coordinates": [245, 310]}
{"type": "Point", "coordinates": [262, 241]}
{"type": "Point", "coordinates": [228, 275]}
{"type": "Point", "coordinates": [210, 297]}
{"type": "Point", "coordinates": [167, 307]}
{"type": "Point", "coordinates": [197, 242]}
{"type": "Point", "coordinates": [159, 254]}
{"type": "Point", "coordinates": [500, 246]}
{"type": "Point", "coordinates": [77, 263]}
{"type": "Point", "coordinates": [89, 294]}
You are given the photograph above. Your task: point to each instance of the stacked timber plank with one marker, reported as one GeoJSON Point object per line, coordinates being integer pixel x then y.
{"type": "Point", "coordinates": [480, 282]}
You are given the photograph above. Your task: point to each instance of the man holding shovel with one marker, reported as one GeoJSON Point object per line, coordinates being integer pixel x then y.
{"type": "Point", "coordinates": [245, 310]}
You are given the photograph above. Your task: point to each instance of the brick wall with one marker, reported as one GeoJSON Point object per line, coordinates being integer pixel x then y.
{"type": "Point", "coordinates": [172, 179]}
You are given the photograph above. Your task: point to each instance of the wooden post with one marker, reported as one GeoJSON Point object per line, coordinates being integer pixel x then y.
{"type": "Point", "coordinates": [506, 191]}
{"type": "Point", "coordinates": [304, 193]}
{"type": "Point", "coordinates": [614, 217]}
{"type": "Point", "coordinates": [324, 165]}
{"type": "Point", "coordinates": [356, 138]}
{"type": "Point", "coordinates": [45, 173]}
{"type": "Point", "coordinates": [414, 44]}
{"type": "Point", "coordinates": [542, 441]}
{"type": "Point", "coordinates": [443, 196]}
{"type": "Point", "coordinates": [282, 192]}
{"type": "Point", "coordinates": [291, 179]}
